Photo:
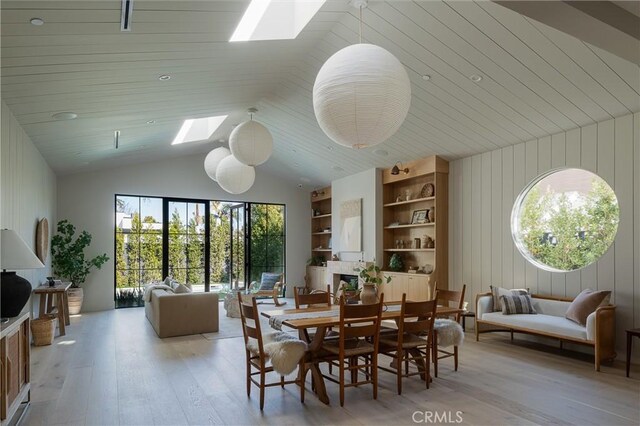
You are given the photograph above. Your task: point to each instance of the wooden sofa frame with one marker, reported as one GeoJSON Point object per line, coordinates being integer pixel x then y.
{"type": "Point", "coordinates": [604, 343]}
{"type": "Point", "coordinates": [278, 291]}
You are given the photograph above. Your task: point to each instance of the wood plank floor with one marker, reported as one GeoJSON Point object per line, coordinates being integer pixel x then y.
{"type": "Point", "coordinates": [111, 368]}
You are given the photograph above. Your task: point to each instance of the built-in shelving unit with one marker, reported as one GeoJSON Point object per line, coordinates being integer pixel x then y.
{"type": "Point", "coordinates": [403, 195]}
{"type": "Point", "coordinates": [321, 222]}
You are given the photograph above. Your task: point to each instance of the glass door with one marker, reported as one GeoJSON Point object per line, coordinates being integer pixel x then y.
{"type": "Point", "coordinates": [238, 239]}
{"type": "Point", "coordinates": [186, 246]}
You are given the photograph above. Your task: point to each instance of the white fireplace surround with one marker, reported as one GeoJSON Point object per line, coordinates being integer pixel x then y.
{"type": "Point", "coordinates": [335, 268]}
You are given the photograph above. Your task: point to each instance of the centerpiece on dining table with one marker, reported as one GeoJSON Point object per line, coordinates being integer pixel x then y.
{"type": "Point", "coordinates": [371, 279]}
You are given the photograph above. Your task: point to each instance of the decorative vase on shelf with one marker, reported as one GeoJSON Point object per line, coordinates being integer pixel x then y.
{"type": "Point", "coordinates": [431, 214]}
{"type": "Point", "coordinates": [369, 294]}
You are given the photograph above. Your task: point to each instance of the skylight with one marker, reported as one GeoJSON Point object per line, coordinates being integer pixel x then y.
{"type": "Point", "coordinates": [198, 129]}
{"type": "Point", "coordinates": [275, 19]}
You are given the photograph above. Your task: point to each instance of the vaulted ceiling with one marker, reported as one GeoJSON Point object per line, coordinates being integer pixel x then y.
{"type": "Point", "coordinates": [536, 80]}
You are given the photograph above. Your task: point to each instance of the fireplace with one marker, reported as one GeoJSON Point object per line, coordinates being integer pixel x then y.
{"type": "Point", "coordinates": [345, 271]}
{"type": "Point", "coordinates": [349, 279]}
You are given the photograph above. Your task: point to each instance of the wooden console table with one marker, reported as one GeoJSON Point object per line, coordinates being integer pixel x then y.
{"type": "Point", "coordinates": [59, 292]}
{"type": "Point", "coordinates": [15, 373]}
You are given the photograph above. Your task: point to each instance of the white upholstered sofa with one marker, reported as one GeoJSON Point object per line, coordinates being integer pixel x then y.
{"type": "Point", "coordinates": [550, 321]}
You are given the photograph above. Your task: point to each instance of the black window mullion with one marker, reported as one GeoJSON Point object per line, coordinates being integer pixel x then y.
{"type": "Point", "coordinates": [165, 237]}
{"type": "Point", "coordinates": [207, 246]}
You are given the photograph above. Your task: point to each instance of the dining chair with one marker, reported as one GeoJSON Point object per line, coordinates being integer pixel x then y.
{"type": "Point", "coordinates": [412, 342]}
{"type": "Point", "coordinates": [359, 336]}
{"type": "Point", "coordinates": [317, 297]}
{"type": "Point", "coordinates": [448, 298]}
{"type": "Point", "coordinates": [258, 360]}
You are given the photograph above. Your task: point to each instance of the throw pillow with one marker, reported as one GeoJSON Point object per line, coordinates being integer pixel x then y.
{"type": "Point", "coordinates": [584, 304]}
{"type": "Point", "coordinates": [167, 282]}
{"type": "Point", "coordinates": [496, 292]}
{"type": "Point", "coordinates": [181, 288]}
{"type": "Point", "coordinates": [268, 281]}
{"type": "Point", "coordinates": [517, 304]}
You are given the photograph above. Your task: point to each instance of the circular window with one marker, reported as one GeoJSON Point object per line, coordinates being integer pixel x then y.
{"type": "Point", "coordinates": [565, 219]}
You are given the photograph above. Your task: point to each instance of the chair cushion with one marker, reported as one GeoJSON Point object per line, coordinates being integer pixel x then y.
{"type": "Point", "coordinates": [517, 304]}
{"type": "Point", "coordinates": [410, 341]}
{"type": "Point", "coordinates": [584, 304]}
{"type": "Point", "coordinates": [268, 280]}
{"type": "Point", "coordinates": [542, 323]}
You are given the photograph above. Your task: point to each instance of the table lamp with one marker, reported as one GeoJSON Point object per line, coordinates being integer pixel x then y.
{"type": "Point", "coordinates": [14, 289]}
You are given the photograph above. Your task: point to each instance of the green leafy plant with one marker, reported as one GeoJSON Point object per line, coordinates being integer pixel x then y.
{"type": "Point", "coordinates": [67, 254]}
{"type": "Point", "coordinates": [316, 260]}
{"type": "Point", "coordinates": [395, 263]}
{"type": "Point", "coordinates": [371, 275]}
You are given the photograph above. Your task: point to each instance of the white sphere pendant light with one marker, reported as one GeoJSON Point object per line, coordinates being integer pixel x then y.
{"type": "Point", "coordinates": [361, 95]}
{"type": "Point", "coordinates": [250, 142]}
{"type": "Point", "coordinates": [233, 176]}
{"type": "Point", "coordinates": [212, 160]}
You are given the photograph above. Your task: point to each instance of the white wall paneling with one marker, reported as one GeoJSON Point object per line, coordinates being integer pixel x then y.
{"type": "Point", "coordinates": [28, 189]}
{"type": "Point", "coordinates": [488, 184]}
{"type": "Point", "coordinates": [87, 200]}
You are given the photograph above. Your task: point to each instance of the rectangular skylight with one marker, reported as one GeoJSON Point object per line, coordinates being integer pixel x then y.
{"type": "Point", "coordinates": [198, 129]}
{"type": "Point", "coordinates": [275, 19]}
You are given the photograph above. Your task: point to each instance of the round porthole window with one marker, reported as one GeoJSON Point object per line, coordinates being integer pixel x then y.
{"type": "Point", "coordinates": [565, 219]}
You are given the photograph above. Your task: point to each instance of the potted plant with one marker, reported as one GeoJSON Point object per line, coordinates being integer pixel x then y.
{"type": "Point", "coordinates": [371, 279]}
{"type": "Point", "coordinates": [350, 291]}
{"type": "Point", "coordinates": [395, 263]}
{"type": "Point", "coordinates": [316, 260]}
{"type": "Point", "coordinates": [68, 261]}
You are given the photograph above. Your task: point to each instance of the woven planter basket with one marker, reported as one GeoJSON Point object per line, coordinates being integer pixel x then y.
{"type": "Point", "coordinates": [43, 330]}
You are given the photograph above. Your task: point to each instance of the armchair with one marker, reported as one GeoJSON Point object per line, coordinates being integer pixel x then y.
{"type": "Point", "coordinates": [270, 285]}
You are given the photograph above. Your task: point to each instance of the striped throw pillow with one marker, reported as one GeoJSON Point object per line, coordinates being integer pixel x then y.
{"type": "Point", "coordinates": [496, 292]}
{"type": "Point", "coordinates": [517, 304]}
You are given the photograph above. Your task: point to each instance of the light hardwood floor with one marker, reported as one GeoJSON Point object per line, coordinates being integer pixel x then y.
{"type": "Point", "coordinates": [111, 368]}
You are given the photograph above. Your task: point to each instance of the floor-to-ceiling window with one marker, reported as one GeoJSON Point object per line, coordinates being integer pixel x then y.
{"type": "Point", "coordinates": [211, 245]}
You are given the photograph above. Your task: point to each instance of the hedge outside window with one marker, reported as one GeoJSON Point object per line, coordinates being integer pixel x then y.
{"type": "Point", "coordinates": [565, 220]}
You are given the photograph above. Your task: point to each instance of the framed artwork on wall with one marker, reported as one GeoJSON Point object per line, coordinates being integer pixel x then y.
{"type": "Point", "coordinates": [351, 226]}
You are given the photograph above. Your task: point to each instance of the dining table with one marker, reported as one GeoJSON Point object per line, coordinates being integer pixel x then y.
{"type": "Point", "coordinates": [321, 319]}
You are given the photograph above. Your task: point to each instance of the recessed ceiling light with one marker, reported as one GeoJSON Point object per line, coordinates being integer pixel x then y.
{"type": "Point", "coordinates": [426, 77]}
{"type": "Point", "coordinates": [296, 164]}
{"type": "Point", "coordinates": [380, 152]}
{"type": "Point", "coordinates": [164, 77]}
{"type": "Point", "coordinates": [198, 129]}
{"type": "Point", "coordinates": [151, 122]}
{"type": "Point", "coordinates": [475, 77]}
{"type": "Point", "coordinates": [66, 115]}
{"type": "Point", "coordinates": [37, 21]}
{"type": "Point", "coordinates": [330, 148]}
{"type": "Point", "coordinates": [338, 169]}
{"type": "Point", "coordinates": [294, 150]}
{"type": "Point", "coordinates": [263, 19]}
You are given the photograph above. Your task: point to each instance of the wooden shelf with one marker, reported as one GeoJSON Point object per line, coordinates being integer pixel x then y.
{"type": "Point", "coordinates": [322, 249]}
{"type": "Point", "coordinates": [321, 233]}
{"type": "Point", "coordinates": [409, 249]}
{"type": "Point", "coordinates": [416, 200]}
{"type": "Point", "coordinates": [321, 216]}
{"type": "Point", "coordinates": [411, 225]}
{"type": "Point", "coordinates": [421, 274]}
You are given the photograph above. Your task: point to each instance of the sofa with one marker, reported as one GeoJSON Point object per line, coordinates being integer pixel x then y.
{"type": "Point", "coordinates": [550, 321]}
{"type": "Point", "coordinates": [181, 314]}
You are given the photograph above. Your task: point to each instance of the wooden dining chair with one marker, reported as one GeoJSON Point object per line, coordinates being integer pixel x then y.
{"type": "Point", "coordinates": [359, 336]}
{"type": "Point", "coordinates": [317, 298]}
{"type": "Point", "coordinates": [412, 342]}
{"type": "Point", "coordinates": [449, 298]}
{"type": "Point", "coordinates": [258, 360]}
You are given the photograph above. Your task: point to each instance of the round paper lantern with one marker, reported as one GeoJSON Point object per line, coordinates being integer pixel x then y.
{"type": "Point", "coordinates": [212, 160]}
{"type": "Point", "coordinates": [251, 143]}
{"type": "Point", "coordinates": [235, 177]}
{"type": "Point", "coordinates": [361, 96]}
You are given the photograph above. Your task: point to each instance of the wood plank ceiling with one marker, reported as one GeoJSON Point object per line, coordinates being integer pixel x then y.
{"type": "Point", "coordinates": [537, 81]}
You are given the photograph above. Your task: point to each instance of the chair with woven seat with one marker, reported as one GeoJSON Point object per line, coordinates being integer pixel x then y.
{"type": "Point", "coordinates": [270, 285]}
{"type": "Point", "coordinates": [359, 334]}
{"type": "Point", "coordinates": [256, 358]}
{"type": "Point", "coordinates": [412, 341]}
{"type": "Point", "coordinates": [449, 298]}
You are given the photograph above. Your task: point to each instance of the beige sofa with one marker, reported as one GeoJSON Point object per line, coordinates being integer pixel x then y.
{"type": "Point", "coordinates": [550, 321]}
{"type": "Point", "coordinates": [182, 314]}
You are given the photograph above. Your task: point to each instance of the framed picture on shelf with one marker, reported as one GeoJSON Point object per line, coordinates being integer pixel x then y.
{"type": "Point", "coordinates": [419, 216]}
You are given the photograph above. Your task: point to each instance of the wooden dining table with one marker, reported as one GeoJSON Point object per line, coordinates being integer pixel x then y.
{"type": "Point", "coordinates": [321, 323]}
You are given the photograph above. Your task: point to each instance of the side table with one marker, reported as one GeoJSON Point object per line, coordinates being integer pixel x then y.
{"type": "Point", "coordinates": [59, 292]}
{"type": "Point", "coordinates": [464, 316]}
{"type": "Point", "coordinates": [631, 332]}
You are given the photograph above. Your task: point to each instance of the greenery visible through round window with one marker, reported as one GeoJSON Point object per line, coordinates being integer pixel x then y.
{"type": "Point", "coordinates": [565, 219]}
